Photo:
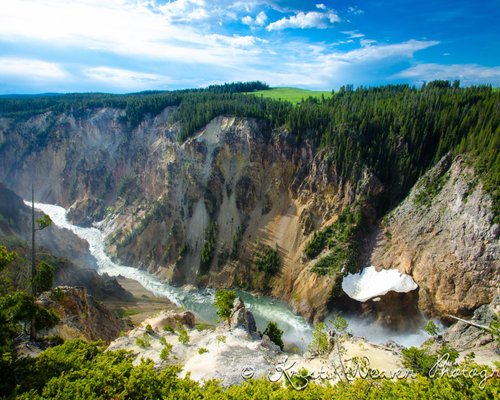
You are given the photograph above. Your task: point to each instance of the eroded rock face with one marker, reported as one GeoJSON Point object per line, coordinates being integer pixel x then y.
{"type": "Point", "coordinates": [463, 336]}
{"type": "Point", "coordinates": [157, 197]}
{"type": "Point", "coordinates": [444, 236]}
{"type": "Point", "coordinates": [173, 319]}
{"type": "Point", "coordinates": [80, 315]}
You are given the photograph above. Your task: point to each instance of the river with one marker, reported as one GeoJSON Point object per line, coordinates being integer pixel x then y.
{"type": "Point", "coordinates": [296, 329]}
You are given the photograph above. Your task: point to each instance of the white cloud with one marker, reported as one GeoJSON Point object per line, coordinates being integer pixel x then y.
{"type": "Point", "coordinates": [466, 73]}
{"type": "Point", "coordinates": [355, 10]}
{"type": "Point", "coordinates": [312, 19]}
{"type": "Point", "coordinates": [126, 79]}
{"type": "Point", "coordinates": [122, 27]}
{"type": "Point", "coordinates": [355, 66]}
{"type": "Point", "coordinates": [353, 34]}
{"type": "Point", "coordinates": [31, 69]}
{"type": "Point", "coordinates": [321, 6]}
{"type": "Point", "coordinates": [259, 20]}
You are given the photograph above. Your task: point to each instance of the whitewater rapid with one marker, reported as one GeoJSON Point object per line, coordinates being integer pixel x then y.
{"type": "Point", "coordinates": [265, 309]}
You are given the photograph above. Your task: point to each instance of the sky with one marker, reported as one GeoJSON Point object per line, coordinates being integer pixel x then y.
{"type": "Point", "coordinates": [124, 46]}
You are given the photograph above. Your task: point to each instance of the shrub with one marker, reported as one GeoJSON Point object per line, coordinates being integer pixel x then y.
{"type": "Point", "coordinates": [143, 342]}
{"type": "Point", "coordinates": [340, 238]}
{"type": "Point", "coordinates": [168, 328]}
{"type": "Point", "coordinates": [418, 360]}
{"type": "Point", "coordinates": [183, 335]}
{"type": "Point", "coordinates": [202, 350]}
{"type": "Point", "coordinates": [149, 329]}
{"type": "Point", "coordinates": [224, 300]}
{"type": "Point", "coordinates": [274, 333]}
{"type": "Point", "coordinates": [320, 343]}
{"type": "Point", "coordinates": [431, 328]}
{"type": "Point", "coordinates": [166, 351]}
{"type": "Point", "coordinates": [267, 259]}
{"type": "Point", "coordinates": [208, 249]}
{"type": "Point", "coordinates": [221, 339]}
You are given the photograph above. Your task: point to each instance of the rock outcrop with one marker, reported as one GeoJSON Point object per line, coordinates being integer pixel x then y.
{"type": "Point", "coordinates": [443, 235]}
{"type": "Point", "coordinates": [241, 317]}
{"type": "Point", "coordinates": [81, 316]}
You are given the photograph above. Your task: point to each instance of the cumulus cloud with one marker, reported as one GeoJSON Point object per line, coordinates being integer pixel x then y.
{"type": "Point", "coordinates": [466, 73]}
{"type": "Point", "coordinates": [117, 26]}
{"type": "Point", "coordinates": [302, 20]}
{"type": "Point", "coordinates": [259, 20]}
{"type": "Point", "coordinates": [31, 69]}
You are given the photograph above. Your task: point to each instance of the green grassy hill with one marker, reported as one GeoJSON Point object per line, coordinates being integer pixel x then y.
{"type": "Point", "coordinates": [293, 95]}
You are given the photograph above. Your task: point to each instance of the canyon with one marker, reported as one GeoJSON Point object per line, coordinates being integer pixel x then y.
{"type": "Point", "coordinates": [242, 186]}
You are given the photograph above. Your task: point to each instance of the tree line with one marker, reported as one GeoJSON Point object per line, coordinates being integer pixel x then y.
{"type": "Point", "coordinates": [395, 131]}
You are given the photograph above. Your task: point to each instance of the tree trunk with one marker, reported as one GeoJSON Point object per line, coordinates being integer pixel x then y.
{"type": "Point", "coordinates": [33, 261]}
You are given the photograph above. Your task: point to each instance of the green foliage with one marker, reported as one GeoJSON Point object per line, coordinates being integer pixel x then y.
{"type": "Point", "coordinates": [320, 343]}
{"type": "Point", "coordinates": [495, 328]}
{"type": "Point", "coordinates": [223, 304]}
{"type": "Point", "coordinates": [201, 326]}
{"type": "Point", "coordinates": [149, 329]}
{"type": "Point", "coordinates": [57, 294]}
{"type": "Point", "coordinates": [202, 350]}
{"type": "Point", "coordinates": [166, 351]}
{"type": "Point", "coordinates": [431, 328]}
{"type": "Point", "coordinates": [44, 278]}
{"type": "Point", "coordinates": [340, 238]}
{"type": "Point", "coordinates": [169, 329]}
{"type": "Point", "coordinates": [299, 380]}
{"type": "Point", "coordinates": [183, 335]}
{"type": "Point", "coordinates": [79, 370]}
{"type": "Point", "coordinates": [396, 131]}
{"type": "Point", "coordinates": [238, 237]}
{"type": "Point", "coordinates": [43, 222]}
{"type": "Point", "coordinates": [143, 341]}
{"type": "Point", "coordinates": [340, 325]}
{"type": "Point", "coordinates": [267, 259]}
{"type": "Point", "coordinates": [208, 249]}
{"type": "Point", "coordinates": [418, 360]}
{"type": "Point", "coordinates": [6, 257]}
{"type": "Point", "coordinates": [238, 87]}
{"type": "Point", "coordinates": [430, 187]}
{"type": "Point", "coordinates": [293, 95]}
{"type": "Point", "coordinates": [274, 333]}
{"type": "Point", "coordinates": [221, 339]}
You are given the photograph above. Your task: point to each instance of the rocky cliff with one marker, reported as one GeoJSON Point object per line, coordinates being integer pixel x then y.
{"type": "Point", "coordinates": [81, 316]}
{"type": "Point", "coordinates": [444, 236]}
{"type": "Point", "coordinates": [200, 212]}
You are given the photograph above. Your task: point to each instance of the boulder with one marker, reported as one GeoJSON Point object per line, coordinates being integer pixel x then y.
{"type": "Point", "coordinates": [172, 319]}
{"type": "Point", "coordinates": [242, 318]}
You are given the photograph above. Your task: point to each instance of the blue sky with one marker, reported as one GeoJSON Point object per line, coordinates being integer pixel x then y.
{"type": "Point", "coordinates": [132, 45]}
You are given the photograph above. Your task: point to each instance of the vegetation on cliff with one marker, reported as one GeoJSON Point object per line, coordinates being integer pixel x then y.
{"type": "Point", "coordinates": [340, 238]}
{"type": "Point", "coordinates": [396, 131]}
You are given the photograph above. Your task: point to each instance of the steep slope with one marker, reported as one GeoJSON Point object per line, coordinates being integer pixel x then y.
{"type": "Point", "coordinates": [444, 236]}
{"type": "Point", "coordinates": [203, 212]}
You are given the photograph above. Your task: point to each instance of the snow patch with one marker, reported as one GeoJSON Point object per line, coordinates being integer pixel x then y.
{"type": "Point", "coordinates": [370, 283]}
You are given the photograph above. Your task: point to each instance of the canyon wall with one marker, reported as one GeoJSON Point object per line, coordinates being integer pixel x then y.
{"type": "Point", "coordinates": [237, 186]}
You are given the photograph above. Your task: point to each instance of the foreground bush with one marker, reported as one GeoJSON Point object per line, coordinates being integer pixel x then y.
{"type": "Point", "coordinates": [79, 370]}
